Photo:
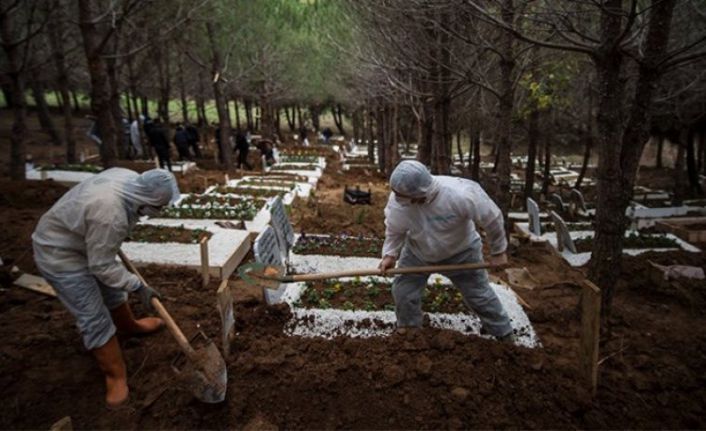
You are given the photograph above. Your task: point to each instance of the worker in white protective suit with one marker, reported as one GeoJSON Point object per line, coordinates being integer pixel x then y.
{"type": "Point", "coordinates": [75, 248]}
{"type": "Point", "coordinates": [432, 220]}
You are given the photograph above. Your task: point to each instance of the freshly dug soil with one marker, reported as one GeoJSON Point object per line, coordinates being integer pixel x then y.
{"type": "Point", "coordinates": [584, 245]}
{"type": "Point", "coordinates": [157, 234]}
{"type": "Point", "coordinates": [257, 193]}
{"type": "Point", "coordinates": [376, 296]}
{"type": "Point", "coordinates": [219, 200]}
{"type": "Point", "coordinates": [339, 245]}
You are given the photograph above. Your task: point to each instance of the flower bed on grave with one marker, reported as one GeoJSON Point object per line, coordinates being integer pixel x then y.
{"type": "Point", "coordinates": [72, 167]}
{"type": "Point", "coordinates": [286, 176]}
{"type": "Point", "coordinates": [373, 295]}
{"type": "Point", "coordinates": [289, 185]}
{"type": "Point", "coordinates": [245, 210]}
{"type": "Point", "coordinates": [295, 167]}
{"type": "Point", "coordinates": [340, 245]}
{"type": "Point", "coordinates": [632, 241]}
{"type": "Point", "coordinates": [213, 200]}
{"type": "Point", "coordinates": [256, 193]}
{"type": "Point", "coordinates": [160, 234]}
{"type": "Point", "coordinates": [298, 158]}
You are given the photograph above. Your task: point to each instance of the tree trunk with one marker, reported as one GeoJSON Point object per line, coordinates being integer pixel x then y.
{"type": "Point", "coordinates": [17, 100]}
{"type": "Point", "coordinates": [258, 117]}
{"type": "Point", "coordinates": [588, 139]}
{"type": "Point", "coordinates": [266, 122]}
{"type": "Point", "coordinates": [100, 82]}
{"type": "Point", "coordinates": [620, 148]}
{"type": "Point", "coordinates": [42, 109]}
{"type": "Point", "coordinates": [692, 169]}
{"type": "Point", "coordinates": [237, 113]}
{"type": "Point", "coordinates": [425, 146]}
{"type": "Point", "coordinates": [338, 118]}
{"type": "Point", "coordinates": [660, 150]}
{"type": "Point", "coordinates": [77, 105]}
{"type": "Point", "coordinates": [380, 133]}
{"type": "Point", "coordinates": [506, 106]}
{"type": "Point", "coordinates": [278, 122]}
{"type": "Point", "coordinates": [476, 142]}
{"type": "Point", "coordinates": [370, 135]}
{"type": "Point", "coordinates": [145, 106]}
{"type": "Point", "coordinates": [290, 118]}
{"type": "Point", "coordinates": [532, 138]}
{"type": "Point", "coordinates": [679, 177]}
{"type": "Point", "coordinates": [459, 150]}
{"type": "Point", "coordinates": [201, 104]}
{"type": "Point", "coordinates": [224, 119]}
{"type": "Point", "coordinates": [315, 111]}
{"type": "Point", "coordinates": [121, 138]}
{"type": "Point", "coordinates": [182, 93]}
{"type": "Point", "coordinates": [55, 39]}
{"type": "Point", "coordinates": [549, 135]}
{"type": "Point", "coordinates": [248, 113]}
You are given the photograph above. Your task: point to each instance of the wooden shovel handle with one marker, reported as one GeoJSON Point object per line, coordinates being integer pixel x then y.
{"type": "Point", "coordinates": [393, 271]}
{"type": "Point", "coordinates": [163, 313]}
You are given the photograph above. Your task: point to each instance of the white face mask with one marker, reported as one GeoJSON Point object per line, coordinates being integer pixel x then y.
{"type": "Point", "coordinates": [148, 210]}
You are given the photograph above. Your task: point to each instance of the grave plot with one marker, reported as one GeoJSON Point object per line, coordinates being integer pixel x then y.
{"type": "Point", "coordinates": [64, 174]}
{"type": "Point", "coordinates": [635, 244]}
{"type": "Point", "coordinates": [300, 188]}
{"type": "Point", "coordinates": [340, 245]}
{"type": "Point", "coordinates": [644, 215]}
{"type": "Point", "coordinates": [302, 159]}
{"type": "Point", "coordinates": [363, 307]}
{"type": "Point", "coordinates": [209, 209]}
{"type": "Point", "coordinates": [305, 169]}
{"type": "Point", "coordinates": [690, 229]}
{"type": "Point", "coordinates": [251, 193]}
{"type": "Point", "coordinates": [212, 250]}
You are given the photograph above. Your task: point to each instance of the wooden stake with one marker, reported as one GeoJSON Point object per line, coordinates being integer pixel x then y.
{"type": "Point", "coordinates": [224, 303]}
{"type": "Point", "coordinates": [590, 334]}
{"type": "Point", "coordinates": [205, 275]}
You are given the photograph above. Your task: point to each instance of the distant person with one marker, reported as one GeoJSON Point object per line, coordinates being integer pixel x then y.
{"type": "Point", "coordinates": [93, 132]}
{"type": "Point", "coordinates": [194, 139]}
{"type": "Point", "coordinates": [327, 133]}
{"type": "Point", "coordinates": [135, 140]}
{"type": "Point", "coordinates": [303, 135]}
{"type": "Point", "coordinates": [158, 140]}
{"type": "Point", "coordinates": [243, 148]}
{"type": "Point", "coordinates": [75, 248]}
{"type": "Point", "coordinates": [181, 141]}
{"type": "Point", "coordinates": [266, 148]}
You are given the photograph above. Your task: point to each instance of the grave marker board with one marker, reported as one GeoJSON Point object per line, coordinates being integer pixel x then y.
{"type": "Point", "coordinates": [557, 201]}
{"type": "Point", "coordinates": [267, 249]}
{"type": "Point", "coordinates": [282, 227]}
{"type": "Point", "coordinates": [533, 212]}
{"type": "Point", "coordinates": [577, 197]}
{"type": "Point", "coordinates": [563, 238]}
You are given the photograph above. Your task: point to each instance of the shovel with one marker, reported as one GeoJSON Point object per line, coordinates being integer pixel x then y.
{"type": "Point", "coordinates": [205, 374]}
{"type": "Point", "coordinates": [271, 277]}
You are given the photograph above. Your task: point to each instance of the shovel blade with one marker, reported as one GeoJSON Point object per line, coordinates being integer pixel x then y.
{"type": "Point", "coordinates": [273, 296]}
{"type": "Point", "coordinates": [205, 374]}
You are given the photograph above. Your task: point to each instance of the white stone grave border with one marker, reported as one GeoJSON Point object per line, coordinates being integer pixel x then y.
{"type": "Point", "coordinates": [581, 259]}
{"type": "Point", "coordinates": [226, 249]}
{"type": "Point", "coordinates": [59, 175]}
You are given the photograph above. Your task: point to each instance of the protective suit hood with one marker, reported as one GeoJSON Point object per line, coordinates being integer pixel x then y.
{"type": "Point", "coordinates": [413, 179]}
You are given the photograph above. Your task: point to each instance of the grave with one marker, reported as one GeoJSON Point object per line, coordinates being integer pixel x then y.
{"type": "Point", "coordinates": [226, 249]}
{"type": "Point", "coordinates": [558, 203]}
{"type": "Point", "coordinates": [266, 248]}
{"type": "Point", "coordinates": [563, 237]}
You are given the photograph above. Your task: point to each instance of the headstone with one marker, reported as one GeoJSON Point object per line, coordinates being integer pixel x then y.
{"type": "Point", "coordinates": [266, 248]}
{"type": "Point", "coordinates": [533, 212]}
{"type": "Point", "coordinates": [558, 203]}
{"type": "Point", "coordinates": [282, 227]}
{"type": "Point", "coordinates": [563, 238]}
{"type": "Point", "coordinates": [577, 197]}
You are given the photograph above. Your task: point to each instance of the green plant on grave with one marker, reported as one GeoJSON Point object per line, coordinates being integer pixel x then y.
{"type": "Point", "coordinates": [373, 290]}
{"type": "Point", "coordinates": [437, 283]}
{"type": "Point", "coordinates": [312, 295]}
{"type": "Point", "coordinates": [360, 216]}
{"type": "Point", "coordinates": [329, 293]}
{"type": "Point", "coordinates": [369, 305]}
{"type": "Point", "coordinates": [356, 281]}
{"type": "Point", "coordinates": [323, 303]}
{"type": "Point", "coordinates": [389, 307]}
{"type": "Point", "coordinates": [348, 305]}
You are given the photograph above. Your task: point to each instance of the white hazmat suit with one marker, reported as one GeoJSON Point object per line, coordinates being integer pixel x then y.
{"type": "Point", "coordinates": [442, 230]}
{"type": "Point", "coordinates": [76, 243]}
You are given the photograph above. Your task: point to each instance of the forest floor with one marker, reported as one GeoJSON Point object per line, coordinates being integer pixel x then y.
{"type": "Point", "coordinates": [652, 363]}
